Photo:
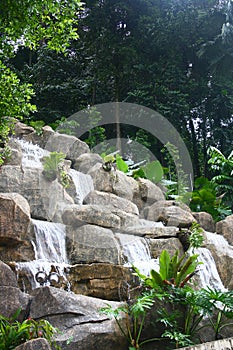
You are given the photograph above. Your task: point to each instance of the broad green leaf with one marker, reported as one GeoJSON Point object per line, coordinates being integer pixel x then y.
{"type": "Point", "coordinates": [153, 171]}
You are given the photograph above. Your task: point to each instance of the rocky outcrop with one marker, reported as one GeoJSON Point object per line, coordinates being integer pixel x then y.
{"type": "Point", "coordinates": [86, 161]}
{"type": "Point", "coordinates": [91, 243]}
{"type": "Point", "coordinates": [114, 182]}
{"type": "Point", "coordinates": [170, 213]}
{"type": "Point", "coordinates": [14, 219]}
{"type": "Point", "coordinates": [69, 145]}
{"type": "Point", "coordinates": [100, 280]}
{"type": "Point", "coordinates": [111, 201]}
{"type": "Point", "coordinates": [225, 227]}
{"type": "Point", "coordinates": [34, 344]}
{"type": "Point", "coordinates": [46, 199]}
{"type": "Point", "coordinates": [205, 220]}
{"type": "Point", "coordinates": [78, 318]}
{"type": "Point", "coordinates": [12, 299]}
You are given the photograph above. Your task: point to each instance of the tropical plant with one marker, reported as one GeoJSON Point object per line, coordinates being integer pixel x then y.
{"type": "Point", "coordinates": [13, 332]}
{"type": "Point", "coordinates": [173, 271]}
{"type": "Point", "coordinates": [223, 170]}
{"type": "Point", "coordinates": [135, 315]}
{"type": "Point", "coordinates": [54, 168]}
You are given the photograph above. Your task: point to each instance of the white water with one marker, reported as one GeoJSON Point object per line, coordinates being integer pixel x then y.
{"type": "Point", "coordinates": [50, 251]}
{"type": "Point", "coordinates": [220, 243]}
{"type": "Point", "coordinates": [135, 251]}
{"type": "Point", "coordinates": [32, 154]}
{"type": "Point", "coordinates": [83, 184]}
{"type": "Point", "coordinates": [208, 273]}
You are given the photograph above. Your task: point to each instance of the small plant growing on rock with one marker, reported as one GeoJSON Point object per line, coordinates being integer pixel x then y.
{"type": "Point", "coordinates": [54, 168]}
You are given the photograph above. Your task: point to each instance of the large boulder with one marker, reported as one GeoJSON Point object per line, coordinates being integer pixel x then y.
{"type": "Point", "coordinates": [69, 145]}
{"type": "Point", "coordinates": [78, 318]}
{"type": "Point", "coordinates": [100, 280]}
{"type": "Point", "coordinates": [7, 276]}
{"type": "Point", "coordinates": [170, 213]}
{"type": "Point", "coordinates": [14, 218]}
{"type": "Point", "coordinates": [171, 245]}
{"type": "Point", "coordinates": [222, 253]}
{"type": "Point", "coordinates": [113, 181]}
{"type": "Point", "coordinates": [149, 192]}
{"type": "Point", "coordinates": [225, 227]}
{"type": "Point", "coordinates": [205, 220]}
{"type": "Point", "coordinates": [91, 243]}
{"type": "Point", "coordinates": [46, 199]}
{"type": "Point", "coordinates": [12, 300]}
{"type": "Point", "coordinates": [111, 201]}
{"type": "Point", "coordinates": [86, 161]}
{"type": "Point", "coordinates": [77, 215]}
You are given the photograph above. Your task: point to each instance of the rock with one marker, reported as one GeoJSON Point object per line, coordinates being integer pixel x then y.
{"type": "Point", "coordinates": [111, 201]}
{"type": "Point", "coordinates": [12, 299]}
{"type": "Point", "coordinates": [223, 344]}
{"type": "Point", "coordinates": [149, 192]}
{"type": "Point", "coordinates": [205, 220]}
{"type": "Point", "coordinates": [152, 231]}
{"type": "Point", "coordinates": [7, 276]}
{"type": "Point", "coordinates": [91, 243]}
{"type": "Point", "coordinates": [21, 129]}
{"type": "Point", "coordinates": [113, 181]}
{"type": "Point", "coordinates": [160, 244]}
{"type": "Point", "coordinates": [170, 215]}
{"type": "Point", "coordinates": [14, 218]}
{"type": "Point", "coordinates": [222, 253]}
{"type": "Point", "coordinates": [42, 138]}
{"type": "Point", "coordinates": [100, 280]}
{"type": "Point", "coordinates": [86, 161]}
{"type": "Point", "coordinates": [77, 215]}
{"type": "Point", "coordinates": [225, 227]}
{"type": "Point", "coordinates": [46, 199]}
{"type": "Point", "coordinates": [78, 318]}
{"type": "Point", "coordinates": [34, 344]}
{"type": "Point", "coordinates": [69, 145]}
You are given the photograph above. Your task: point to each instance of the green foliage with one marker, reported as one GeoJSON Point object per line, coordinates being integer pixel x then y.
{"type": "Point", "coordinates": [39, 23]}
{"type": "Point", "coordinates": [223, 169]}
{"type": "Point", "coordinates": [54, 168]}
{"type": "Point", "coordinates": [14, 333]}
{"type": "Point", "coordinates": [153, 171]}
{"type": "Point", "coordinates": [196, 237]}
{"type": "Point", "coordinates": [37, 125]}
{"type": "Point", "coordinates": [135, 318]}
{"type": "Point", "coordinates": [179, 308]}
{"type": "Point", "coordinates": [173, 271]}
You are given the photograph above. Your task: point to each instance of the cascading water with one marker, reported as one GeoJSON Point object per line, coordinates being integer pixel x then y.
{"type": "Point", "coordinates": [50, 253]}
{"type": "Point", "coordinates": [83, 184]}
{"type": "Point", "coordinates": [208, 273]}
{"type": "Point", "coordinates": [32, 154]}
{"type": "Point", "coordinates": [135, 251]}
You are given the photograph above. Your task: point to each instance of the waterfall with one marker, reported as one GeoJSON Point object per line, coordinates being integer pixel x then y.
{"type": "Point", "coordinates": [83, 184]}
{"type": "Point", "coordinates": [208, 273]}
{"type": "Point", "coordinates": [50, 254]}
{"type": "Point", "coordinates": [32, 154]}
{"type": "Point", "coordinates": [135, 251]}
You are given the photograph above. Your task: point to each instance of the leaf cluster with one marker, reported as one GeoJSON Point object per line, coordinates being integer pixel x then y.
{"type": "Point", "coordinates": [14, 333]}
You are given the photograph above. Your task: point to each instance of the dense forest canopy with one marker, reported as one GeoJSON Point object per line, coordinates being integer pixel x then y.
{"type": "Point", "coordinates": [173, 56]}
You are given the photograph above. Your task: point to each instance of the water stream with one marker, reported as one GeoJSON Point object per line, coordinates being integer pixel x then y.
{"type": "Point", "coordinates": [32, 154]}
{"type": "Point", "coordinates": [208, 273]}
{"type": "Point", "coordinates": [50, 255]}
{"type": "Point", "coordinates": [136, 251]}
{"type": "Point", "coordinates": [83, 185]}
